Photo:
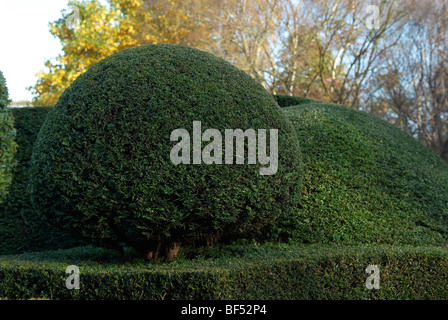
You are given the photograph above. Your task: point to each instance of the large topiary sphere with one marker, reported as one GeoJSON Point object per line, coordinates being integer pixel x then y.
{"type": "Point", "coordinates": [8, 145]}
{"type": "Point", "coordinates": [366, 181]}
{"type": "Point", "coordinates": [102, 166]}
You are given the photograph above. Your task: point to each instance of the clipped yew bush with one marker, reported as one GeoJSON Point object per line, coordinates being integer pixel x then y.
{"type": "Point", "coordinates": [21, 229]}
{"type": "Point", "coordinates": [7, 144]}
{"type": "Point", "coordinates": [101, 164]}
{"type": "Point", "coordinates": [287, 101]}
{"type": "Point", "coordinates": [366, 181]}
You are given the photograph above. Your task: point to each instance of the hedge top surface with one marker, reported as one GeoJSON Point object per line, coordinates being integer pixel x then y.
{"type": "Point", "coordinates": [286, 272]}
{"type": "Point", "coordinates": [366, 181]}
{"type": "Point", "coordinates": [102, 158]}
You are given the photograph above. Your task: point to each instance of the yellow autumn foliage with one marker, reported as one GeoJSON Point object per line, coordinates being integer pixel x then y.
{"type": "Point", "coordinates": [105, 29]}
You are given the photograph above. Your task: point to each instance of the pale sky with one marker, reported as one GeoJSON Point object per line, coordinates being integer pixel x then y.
{"type": "Point", "coordinates": [26, 42]}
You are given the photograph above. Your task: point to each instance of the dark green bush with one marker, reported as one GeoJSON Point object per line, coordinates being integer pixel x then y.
{"type": "Point", "coordinates": [21, 229]}
{"type": "Point", "coordinates": [101, 163]}
{"type": "Point", "coordinates": [4, 95]}
{"type": "Point", "coordinates": [366, 181]}
{"type": "Point", "coordinates": [261, 272]}
{"type": "Point", "coordinates": [7, 144]}
{"type": "Point", "coordinates": [286, 101]}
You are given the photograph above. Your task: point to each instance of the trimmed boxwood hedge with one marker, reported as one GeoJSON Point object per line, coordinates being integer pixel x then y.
{"type": "Point", "coordinates": [287, 101]}
{"type": "Point", "coordinates": [285, 271]}
{"type": "Point", "coordinates": [8, 145]}
{"type": "Point", "coordinates": [366, 181]}
{"type": "Point", "coordinates": [21, 229]}
{"type": "Point", "coordinates": [101, 164]}
{"type": "Point", "coordinates": [236, 272]}
{"type": "Point", "coordinates": [8, 149]}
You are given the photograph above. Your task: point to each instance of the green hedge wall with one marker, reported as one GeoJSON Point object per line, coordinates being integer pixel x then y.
{"type": "Point", "coordinates": [8, 146]}
{"type": "Point", "coordinates": [255, 272]}
{"type": "Point", "coordinates": [366, 181]}
{"type": "Point", "coordinates": [20, 228]}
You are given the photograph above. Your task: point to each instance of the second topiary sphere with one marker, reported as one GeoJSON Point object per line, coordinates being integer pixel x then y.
{"type": "Point", "coordinates": [102, 166]}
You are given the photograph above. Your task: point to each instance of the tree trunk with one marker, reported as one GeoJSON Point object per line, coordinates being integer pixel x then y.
{"type": "Point", "coordinates": [172, 251]}
{"type": "Point", "coordinates": [153, 251]}
{"type": "Point", "coordinates": [444, 153]}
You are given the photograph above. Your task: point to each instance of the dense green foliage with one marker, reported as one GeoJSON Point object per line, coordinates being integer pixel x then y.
{"type": "Point", "coordinates": [366, 181]}
{"type": "Point", "coordinates": [101, 163]}
{"type": "Point", "coordinates": [7, 144]}
{"type": "Point", "coordinates": [234, 272]}
{"type": "Point", "coordinates": [286, 101]}
{"type": "Point", "coordinates": [7, 149]}
{"type": "Point", "coordinates": [21, 229]}
{"type": "Point", "coordinates": [4, 96]}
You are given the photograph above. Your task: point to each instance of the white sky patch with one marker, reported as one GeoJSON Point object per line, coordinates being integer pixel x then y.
{"type": "Point", "coordinates": [26, 42]}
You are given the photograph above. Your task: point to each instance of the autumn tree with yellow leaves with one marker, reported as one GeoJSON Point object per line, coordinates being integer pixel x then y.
{"type": "Point", "coordinates": [104, 29]}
